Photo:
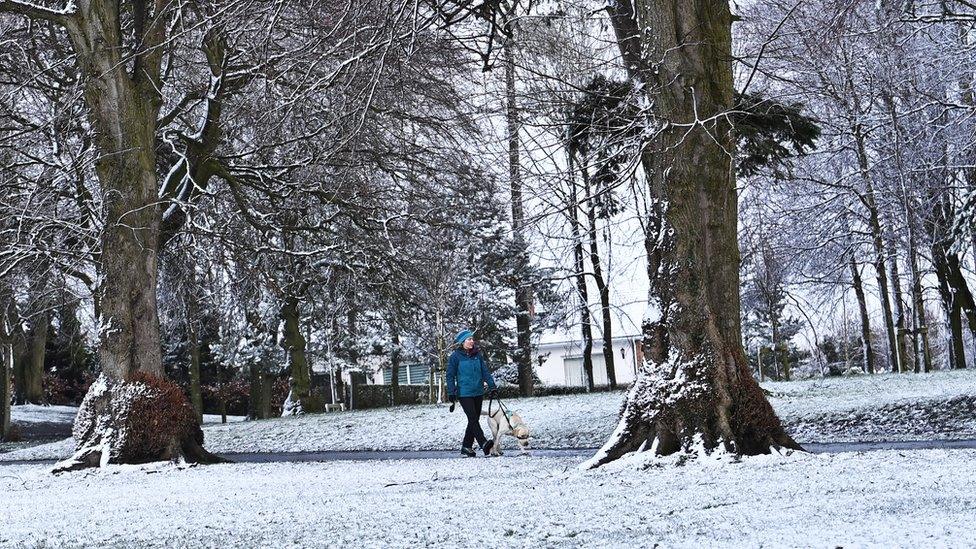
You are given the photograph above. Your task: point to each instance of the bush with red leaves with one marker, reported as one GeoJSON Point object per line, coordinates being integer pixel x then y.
{"type": "Point", "coordinates": [161, 418]}
{"type": "Point", "coordinates": [143, 419]}
{"type": "Point", "coordinates": [236, 395]}
{"type": "Point", "coordinates": [66, 392]}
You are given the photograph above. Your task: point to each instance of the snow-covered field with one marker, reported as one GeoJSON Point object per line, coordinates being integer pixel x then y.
{"type": "Point", "coordinates": [883, 407]}
{"type": "Point", "coordinates": [47, 423]}
{"type": "Point", "coordinates": [812, 396]}
{"type": "Point", "coordinates": [884, 499]}
{"type": "Point", "coordinates": [939, 405]}
{"type": "Point", "coordinates": [33, 413]}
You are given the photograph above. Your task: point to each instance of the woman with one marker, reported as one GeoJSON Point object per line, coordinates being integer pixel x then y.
{"type": "Point", "coordinates": [466, 375]}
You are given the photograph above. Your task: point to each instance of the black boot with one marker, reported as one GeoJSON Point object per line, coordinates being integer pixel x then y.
{"type": "Point", "coordinates": [488, 446]}
{"type": "Point", "coordinates": [467, 452]}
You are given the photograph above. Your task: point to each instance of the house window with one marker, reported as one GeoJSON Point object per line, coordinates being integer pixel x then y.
{"type": "Point", "coordinates": [409, 374]}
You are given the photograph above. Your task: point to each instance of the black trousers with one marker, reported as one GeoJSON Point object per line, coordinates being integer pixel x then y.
{"type": "Point", "coordinates": [472, 409]}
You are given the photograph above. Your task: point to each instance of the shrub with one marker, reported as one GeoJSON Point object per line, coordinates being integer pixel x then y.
{"type": "Point", "coordinates": [66, 392]}
{"type": "Point", "coordinates": [146, 418]}
{"type": "Point", "coordinates": [237, 394]}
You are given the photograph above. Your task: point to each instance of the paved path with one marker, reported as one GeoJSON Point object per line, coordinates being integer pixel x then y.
{"type": "Point", "coordinates": [582, 453]}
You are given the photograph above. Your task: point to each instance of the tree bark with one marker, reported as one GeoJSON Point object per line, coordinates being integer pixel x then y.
{"type": "Point", "coordinates": [868, 351]}
{"type": "Point", "coordinates": [123, 109]}
{"type": "Point", "coordinates": [952, 307]}
{"type": "Point", "coordinates": [953, 289]}
{"type": "Point", "coordinates": [70, 333]}
{"type": "Point", "coordinates": [580, 276]}
{"type": "Point", "coordinates": [294, 344]}
{"type": "Point", "coordinates": [874, 224]}
{"type": "Point", "coordinates": [920, 332]}
{"type": "Point", "coordinates": [254, 401]}
{"type": "Point", "coordinates": [523, 295]}
{"type": "Point", "coordinates": [900, 315]}
{"type": "Point", "coordinates": [394, 361]}
{"type": "Point", "coordinates": [258, 407]}
{"type": "Point", "coordinates": [601, 283]}
{"type": "Point", "coordinates": [34, 366]}
{"type": "Point", "coordinates": [957, 280]}
{"type": "Point", "coordinates": [700, 392]}
{"type": "Point", "coordinates": [193, 339]}
{"type": "Point", "coordinates": [6, 360]}
{"type": "Point", "coordinates": [6, 368]}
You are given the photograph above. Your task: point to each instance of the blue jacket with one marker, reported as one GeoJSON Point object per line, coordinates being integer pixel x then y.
{"type": "Point", "coordinates": [466, 374]}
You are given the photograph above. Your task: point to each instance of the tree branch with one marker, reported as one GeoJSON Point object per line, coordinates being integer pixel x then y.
{"type": "Point", "coordinates": [35, 11]}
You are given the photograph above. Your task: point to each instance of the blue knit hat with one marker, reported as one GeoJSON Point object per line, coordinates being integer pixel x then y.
{"type": "Point", "coordinates": [462, 335]}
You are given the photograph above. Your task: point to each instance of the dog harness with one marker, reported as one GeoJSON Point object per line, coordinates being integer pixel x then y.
{"type": "Point", "coordinates": [508, 416]}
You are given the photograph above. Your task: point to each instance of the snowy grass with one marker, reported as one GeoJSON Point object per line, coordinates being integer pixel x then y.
{"type": "Point", "coordinates": [566, 421]}
{"type": "Point", "coordinates": [881, 407]}
{"type": "Point", "coordinates": [34, 413]}
{"type": "Point", "coordinates": [885, 499]}
{"type": "Point", "coordinates": [809, 397]}
{"type": "Point", "coordinates": [866, 408]}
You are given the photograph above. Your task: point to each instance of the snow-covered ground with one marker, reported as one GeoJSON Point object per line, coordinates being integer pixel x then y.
{"type": "Point", "coordinates": [44, 430]}
{"type": "Point", "coordinates": [939, 405]}
{"type": "Point", "coordinates": [884, 499]}
{"type": "Point", "coordinates": [33, 413]}
{"type": "Point", "coordinates": [813, 396]}
{"type": "Point", "coordinates": [29, 414]}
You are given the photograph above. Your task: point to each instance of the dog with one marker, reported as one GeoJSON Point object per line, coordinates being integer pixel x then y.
{"type": "Point", "coordinates": [501, 423]}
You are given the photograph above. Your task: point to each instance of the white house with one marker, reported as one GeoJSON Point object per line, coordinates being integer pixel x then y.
{"type": "Point", "coordinates": [559, 354]}
{"type": "Point", "coordinates": [559, 358]}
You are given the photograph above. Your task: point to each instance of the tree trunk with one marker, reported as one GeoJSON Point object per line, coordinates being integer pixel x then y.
{"type": "Point", "coordinates": [874, 223]}
{"type": "Point", "coordinates": [952, 308]}
{"type": "Point", "coordinates": [17, 341]}
{"type": "Point", "coordinates": [255, 403]}
{"type": "Point", "coordinates": [920, 333]}
{"type": "Point", "coordinates": [601, 283]}
{"type": "Point", "coordinates": [6, 368]}
{"type": "Point", "coordinates": [868, 356]}
{"type": "Point", "coordinates": [900, 309]}
{"type": "Point", "coordinates": [441, 359]}
{"type": "Point", "coordinates": [523, 295]}
{"type": "Point", "coordinates": [258, 404]}
{"type": "Point", "coordinates": [960, 287]}
{"type": "Point", "coordinates": [34, 365]}
{"type": "Point", "coordinates": [580, 276]}
{"type": "Point", "coordinates": [394, 362]}
{"type": "Point", "coordinates": [6, 360]}
{"type": "Point", "coordinates": [193, 339]}
{"type": "Point", "coordinates": [294, 344]}
{"type": "Point", "coordinates": [762, 373]}
{"type": "Point", "coordinates": [900, 315]}
{"type": "Point", "coordinates": [196, 397]}
{"type": "Point", "coordinates": [123, 109]}
{"type": "Point", "coordinates": [921, 326]}
{"type": "Point", "coordinates": [267, 388]}
{"type": "Point", "coordinates": [70, 333]}
{"type": "Point", "coordinates": [700, 392]}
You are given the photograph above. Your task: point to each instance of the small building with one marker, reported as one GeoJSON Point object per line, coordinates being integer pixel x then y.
{"type": "Point", "coordinates": [559, 356]}
{"type": "Point", "coordinates": [408, 374]}
{"type": "Point", "coordinates": [561, 362]}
